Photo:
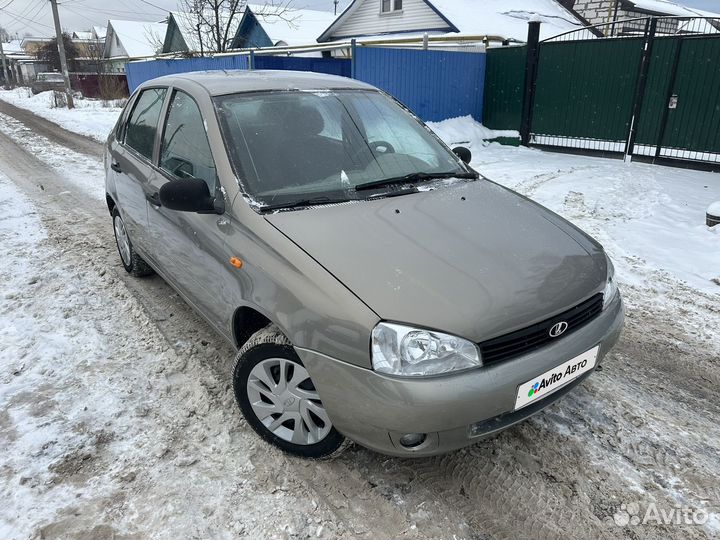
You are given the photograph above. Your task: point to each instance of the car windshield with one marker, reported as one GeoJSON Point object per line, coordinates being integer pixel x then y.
{"type": "Point", "coordinates": [298, 148]}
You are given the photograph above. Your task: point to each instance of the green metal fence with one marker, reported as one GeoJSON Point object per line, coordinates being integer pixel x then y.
{"type": "Point", "coordinates": [504, 80]}
{"type": "Point", "coordinates": [642, 94]}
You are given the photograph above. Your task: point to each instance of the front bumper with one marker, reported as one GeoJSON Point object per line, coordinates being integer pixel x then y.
{"type": "Point", "coordinates": [375, 410]}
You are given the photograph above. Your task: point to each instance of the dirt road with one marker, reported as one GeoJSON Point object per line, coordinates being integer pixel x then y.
{"type": "Point", "coordinates": [173, 458]}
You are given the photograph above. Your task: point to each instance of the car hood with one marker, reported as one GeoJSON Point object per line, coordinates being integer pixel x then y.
{"type": "Point", "coordinates": [473, 259]}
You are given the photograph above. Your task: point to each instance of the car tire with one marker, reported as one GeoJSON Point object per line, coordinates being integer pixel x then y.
{"type": "Point", "coordinates": [133, 263]}
{"type": "Point", "coordinates": [278, 399]}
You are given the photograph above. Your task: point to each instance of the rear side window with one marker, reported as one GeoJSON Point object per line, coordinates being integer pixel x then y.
{"type": "Point", "coordinates": [185, 150]}
{"type": "Point", "coordinates": [142, 126]}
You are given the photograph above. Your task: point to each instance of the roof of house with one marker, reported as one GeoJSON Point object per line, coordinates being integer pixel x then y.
{"type": "Point", "coordinates": [82, 35]}
{"type": "Point", "coordinates": [34, 39]}
{"type": "Point", "coordinates": [505, 18]}
{"type": "Point", "coordinates": [100, 31]}
{"type": "Point", "coordinates": [508, 18]}
{"type": "Point", "coordinates": [139, 38]}
{"type": "Point", "coordinates": [666, 7]}
{"type": "Point", "coordinates": [13, 46]}
{"type": "Point", "coordinates": [282, 24]}
{"type": "Point", "coordinates": [293, 26]}
{"type": "Point", "coordinates": [187, 26]}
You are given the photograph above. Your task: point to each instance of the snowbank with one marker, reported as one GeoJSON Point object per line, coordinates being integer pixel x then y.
{"type": "Point", "coordinates": [463, 130]}
{"type": "Point", "coordinates": [91, 117]}
{"type": "Point", "coordinates": [714, 209]}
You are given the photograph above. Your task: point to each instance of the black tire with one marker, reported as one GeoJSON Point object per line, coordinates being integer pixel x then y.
{"type": "Point", "coordinates": [135, 265]}
{"type": "Point", "coordinates": [265, 345]}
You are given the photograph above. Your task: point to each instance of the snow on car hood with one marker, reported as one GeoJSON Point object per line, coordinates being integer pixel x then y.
{"type": "Point", "coordinates": [473, 259]}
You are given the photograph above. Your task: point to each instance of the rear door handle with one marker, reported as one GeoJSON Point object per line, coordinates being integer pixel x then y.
{"type": "Point", "coordinates": [115, 166]}
{"type": "Point", "coordinates": [153, 198]}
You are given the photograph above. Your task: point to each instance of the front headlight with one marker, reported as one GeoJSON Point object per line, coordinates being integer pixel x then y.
{"type": "Point", "coordinates": [413, 352]}
{"type": "Point", "coordinates": [611, 287]}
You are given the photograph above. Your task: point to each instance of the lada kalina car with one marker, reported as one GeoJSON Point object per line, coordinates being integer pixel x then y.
{"type": "Point", "coordinates": [376, 287]}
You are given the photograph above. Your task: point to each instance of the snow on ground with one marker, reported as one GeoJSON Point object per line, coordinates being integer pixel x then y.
{"type": "Point", "coordinates": [91, 117]}
{"type": "Point", "coordinates": [86, 174]}
{"type": "Point", "coordinates": [94, 421]}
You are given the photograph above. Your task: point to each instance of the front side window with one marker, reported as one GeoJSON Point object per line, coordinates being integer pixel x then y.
{"type": "Point", "coordinates": [291, 146]}
{"type": "Point", "coordinates": [143, 123]}
{"type": "Point", "coordinates": [185, 150]}
{"type": "Point", "coordinates": [386, 6]}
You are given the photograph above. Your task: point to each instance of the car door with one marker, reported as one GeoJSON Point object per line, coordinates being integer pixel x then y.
{"type": "Point", "coordinates": [131, 163]}
{"type": "Point", "coordinates": [189, 247]}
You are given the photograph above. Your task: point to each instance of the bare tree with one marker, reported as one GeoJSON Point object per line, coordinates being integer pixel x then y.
{"type": "Point", "coordinates": [4, 35]}
{"type": "Point", "coordinates": [95, 53]}
{"type": "Point", "coordinates": [156, 40]}
{"type": "Point", "coordinates": [214, 22]}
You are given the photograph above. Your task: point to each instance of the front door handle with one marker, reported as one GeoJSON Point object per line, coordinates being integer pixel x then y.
{"type": "Point", "coordinates": [115, 166]}
{"type": "Point", "coordinates": [153, 198]}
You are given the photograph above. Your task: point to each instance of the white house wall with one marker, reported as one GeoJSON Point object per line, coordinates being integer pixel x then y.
{"type": "Point", "coordinates": [366, 19]}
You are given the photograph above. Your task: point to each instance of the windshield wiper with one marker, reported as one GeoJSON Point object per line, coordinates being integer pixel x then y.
{"type": "Point", "coordinates": [412, 178]}
{"type": "Point", "coordinates": [314, 201]}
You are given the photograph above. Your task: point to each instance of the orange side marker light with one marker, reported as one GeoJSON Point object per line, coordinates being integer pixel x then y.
{"type": "Point", "coordinates": [237, 263]}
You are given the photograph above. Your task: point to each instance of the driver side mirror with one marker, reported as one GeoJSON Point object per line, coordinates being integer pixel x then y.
{"type": "Point", "coordinates": [189, 195]}
{"type": "Point", "coordinates": [463, 153]}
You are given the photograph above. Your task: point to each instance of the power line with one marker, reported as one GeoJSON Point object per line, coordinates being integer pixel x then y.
{"type": "Point", "coordinates": [154, 5]}
{"type": "Point", "coordinates": [27, 21]}
{"type": "Point", "coordinates": [79, 14]}
{"type": "Point", "coordinates": [108, 11]}
{"type": "Point", "coordinates": [29, 7]}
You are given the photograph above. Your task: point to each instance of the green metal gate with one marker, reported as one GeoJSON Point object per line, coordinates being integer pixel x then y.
{"type": "Point", "coordinates": [691, 129]}
{"type": "Point", "coordinates": [585, 92]}
{"type": "Point", "coordinates": [646, 94]}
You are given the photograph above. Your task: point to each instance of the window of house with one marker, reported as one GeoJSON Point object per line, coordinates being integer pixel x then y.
{"type": "Point", "coordinates": [185, 150]}
{"type": "Point", "coordinates": [388, 6]}
{"type": "Point", "coordinates": [143, 123]}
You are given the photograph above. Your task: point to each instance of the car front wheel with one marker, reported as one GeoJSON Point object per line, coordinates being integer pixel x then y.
{"type": "Point", "coordinates": [278, 398]}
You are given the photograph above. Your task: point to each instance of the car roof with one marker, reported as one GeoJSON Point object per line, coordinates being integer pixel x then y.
{"type": "Point", "coordinates": [221, 82]}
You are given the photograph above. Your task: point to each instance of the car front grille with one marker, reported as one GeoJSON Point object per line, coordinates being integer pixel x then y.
{"type": "Point", "coordinates": [538, 335]}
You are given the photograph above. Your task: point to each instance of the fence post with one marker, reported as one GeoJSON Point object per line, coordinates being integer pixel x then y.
{"type": "Point", "coordinates": [641, 85]}
{"type": "Point", "coordinates": [353, 49]}
{"type": "Point", "coordinates": [531, 71]}
{"type": "Point", "coordinates": [251, 60]}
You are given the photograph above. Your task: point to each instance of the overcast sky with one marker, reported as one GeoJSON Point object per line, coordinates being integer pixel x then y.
{"type": "Point", "coordinates": [34, 16]}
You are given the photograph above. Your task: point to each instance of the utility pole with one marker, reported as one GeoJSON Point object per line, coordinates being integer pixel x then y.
{"type": "Point", "coordinates": [4, 64]}
{"type": "Point", "coordinates": [61, 50]}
